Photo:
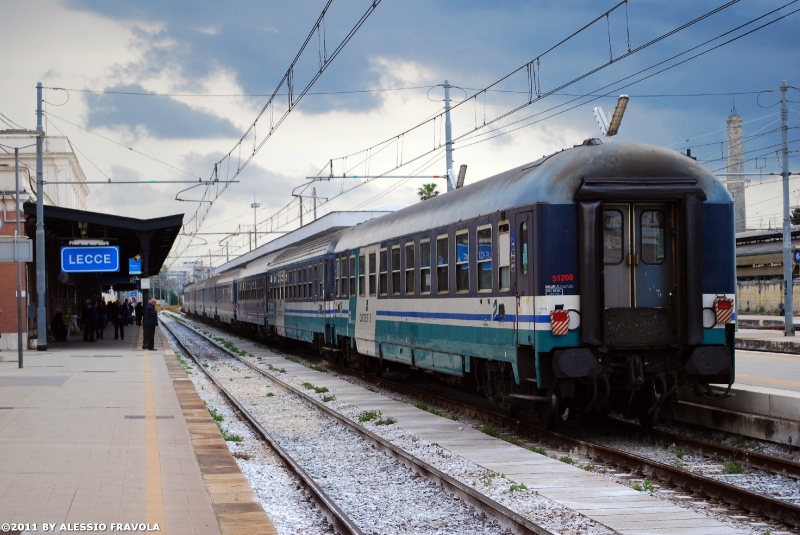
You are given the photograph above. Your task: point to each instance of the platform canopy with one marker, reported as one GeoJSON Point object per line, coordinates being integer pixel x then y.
{"type": "Point", "coordinates": [152, 239]}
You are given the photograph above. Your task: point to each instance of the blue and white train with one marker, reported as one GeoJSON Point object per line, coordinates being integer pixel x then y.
{"type": "Point", "coordinates": [600, 277]}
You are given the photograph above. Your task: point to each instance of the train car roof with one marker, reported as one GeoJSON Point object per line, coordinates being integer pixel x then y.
{"type": "Point", "coordinates": [228, 276]}
{"type": "Point", "coordinates": [207, 282]}
{"type": "Point", "coordinates": [312, 249]}
{"type": "Point", "coordinates": [552, 179]}
{"type": "Point", "coordinates": [333, 221]}
{"type": "Point", "coordinates": [258, 266]}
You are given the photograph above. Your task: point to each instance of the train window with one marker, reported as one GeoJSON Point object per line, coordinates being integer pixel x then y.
{"type": "Point", "coordinates": [362, 275]}
{"type": "Point", "coordinates": [523, 242]}
{"type": "Point", "coordinates": [504, 255]}
{"type": "Point", "coordinates": [342, 276]}
{"type": "Point", "coordinates": [485, 259]}
{"type": "Point", "coordinates": [309, 282]}
{"type": "Point", "coordinates": [320, 281]}
{"type": "Point", "coordinates": [462, 261]}
{"type": "Point", "coordinates": [396, 270]}
{"type": "Point", "coordinates": [303, 285]}
{"type": "Point", "coordinates": [352, 276]}
{"type": "Point", "coordinates": [373, 287]}
{"type": "Point", "coordinates": [410, 268]}
{"type": "Point", "coordinates": [316, 279]}
{"type": "Point", "coordinates": [384, 276]}
{"type": "Point", "coordinates": [442, 283]}
{"type": "Point", "coordinates": [653, 234]}
{"type": "Point", "coordinates": [612, 237]}
{"type": "Point", "coordinates": [425, 266]}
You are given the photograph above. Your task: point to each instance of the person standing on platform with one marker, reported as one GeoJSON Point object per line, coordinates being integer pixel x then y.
{"type": "Point", "coordinates": [150, 322]}
{"type": "Point", "coordinates": [86, 322]}
{"type": "Point", "coordinates": [119, 327]}
{"type": "Point", "coordinates": [92, 327]}
{"type": "Point", "coordinates": [101, 318]}
{"type": "Point", "coordinates": [138, 310]}
{"type": "Point", "coordinates": [126, 313]}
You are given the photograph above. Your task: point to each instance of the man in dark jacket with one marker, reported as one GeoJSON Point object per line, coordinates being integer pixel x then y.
{"type": "Point", "coordinates": [115, 314]}
{"type": "Point", "coordinates": [138, 309]}
{"type": "Point", "coordinates": [150, 321]}
{"type": "Point", "coordinates": [86, 319]}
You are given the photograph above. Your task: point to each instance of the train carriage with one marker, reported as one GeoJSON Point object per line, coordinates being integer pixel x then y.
{"type": "Point", "coordinates": [301, 294]}
{"type": "Point", "coordinates": [225, 296]}
{"type": "Point", "coordinates": [251, 286]}
{"type": "Point", "coordinates": [586, 279]}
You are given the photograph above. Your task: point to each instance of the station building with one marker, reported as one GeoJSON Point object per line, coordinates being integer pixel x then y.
{"type": "Point", "coordinates": [759, 270]}
{"type": "Point", "coordinates": [67, 223]}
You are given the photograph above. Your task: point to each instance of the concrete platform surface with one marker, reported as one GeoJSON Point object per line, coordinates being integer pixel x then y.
{"type": "Point", "coordinates": [96, 433]}
{"type": "Point", "coordinates": [579, 490]}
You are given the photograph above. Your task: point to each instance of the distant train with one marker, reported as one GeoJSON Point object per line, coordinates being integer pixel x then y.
{"type": "Point", "coordinates": [600, 277]}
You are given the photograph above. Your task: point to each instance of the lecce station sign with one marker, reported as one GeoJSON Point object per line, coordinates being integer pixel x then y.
{"type": "Point", "coordinates": [93, 259]}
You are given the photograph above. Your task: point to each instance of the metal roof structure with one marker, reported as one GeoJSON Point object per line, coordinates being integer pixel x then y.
{"type": "Point", "coordinates": [151, 238]}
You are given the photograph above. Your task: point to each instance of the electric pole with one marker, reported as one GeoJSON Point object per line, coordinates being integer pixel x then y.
{"type": "Point", "coordinates": [448, 133]}
{"type": "Point", "coordinates": [41, 310]}
{"type": "Point", "coordinates": [19, 269]}
{"type": "Point", "coordinates": [787, 223]}
{"type": "Point", "coordinates": [254, 206]}
{"type": "Point", "coordinates": [314, 196]}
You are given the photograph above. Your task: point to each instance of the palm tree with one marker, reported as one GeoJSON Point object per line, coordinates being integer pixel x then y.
{"type": "Point", "coordinates": [427, 191]}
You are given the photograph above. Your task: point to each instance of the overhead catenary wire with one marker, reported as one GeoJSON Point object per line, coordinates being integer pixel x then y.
{"type": "Point", "coordinates": [197, 219]}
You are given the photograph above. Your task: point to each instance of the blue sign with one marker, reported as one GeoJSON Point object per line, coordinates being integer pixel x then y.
{"type": "Point", "coordinates": [134, 266]}
{"type": "Point", "coordinates": [90, 259]}
{"type": "Point", "coordinates": [797, 256]}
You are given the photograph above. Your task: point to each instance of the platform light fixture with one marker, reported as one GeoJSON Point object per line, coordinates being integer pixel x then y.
{"type": "Point", "coordinates": [610, 129]}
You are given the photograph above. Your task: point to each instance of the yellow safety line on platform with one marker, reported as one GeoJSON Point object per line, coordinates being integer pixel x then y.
{"type": "Point", "coordinates": [153, 491]}
{"type": "Point", "coordinates": [771, 380]}
{"type": "Point", "coordinates": [739, 355]}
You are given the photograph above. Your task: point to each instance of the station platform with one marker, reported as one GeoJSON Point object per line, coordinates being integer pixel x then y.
{"type": "Point", "coordinates": [108, 433]}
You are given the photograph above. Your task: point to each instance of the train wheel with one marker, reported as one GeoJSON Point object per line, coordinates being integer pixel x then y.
{"type": "Point", "coordinates": [550, 413]}
{"type": "Point", "coordinates": [646, 398]}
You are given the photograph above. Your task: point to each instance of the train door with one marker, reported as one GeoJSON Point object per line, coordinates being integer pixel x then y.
{"type": "Point", "coordinates": [523, 258]}
{"type": "Point", "coordinates": [638, 275]}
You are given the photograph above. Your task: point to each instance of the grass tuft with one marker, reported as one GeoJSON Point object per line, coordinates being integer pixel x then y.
{"type": "Point", "coordinates": [517, 488]}
{"type": "Point", "coordinates": [732, 467]}
{"type": "Point", "coordinates": [489, 429]}
{"type": "Point", "coordinates": [368, 416]}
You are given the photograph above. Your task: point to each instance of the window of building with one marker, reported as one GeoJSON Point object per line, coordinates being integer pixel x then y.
{"type": "Point", "coordinates": [362, 275]}
{"type": "Point", "coordinates": [410, 268]}
{"type": "Point", "coordinates": [384, 275]}
{"type": "Point", "coordinates": [425, 266]}
{"type": "Point", "coordinates": [442, 282]}
{"type": "Point", "coordinates": [484, 259]}
{"type": "Point", "coordinates": [373, 268]}
{"type": "Point", "coordinates": [462, 261]}
{"type": "Point", "coordinates": [396, 270]}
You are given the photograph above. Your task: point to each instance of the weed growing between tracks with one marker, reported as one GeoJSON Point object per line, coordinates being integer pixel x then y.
{"type": "Point", "coordinates": [732, 467]}
{"type": "Point", "coordinates": [377, 416]}
{"type": "Point", "coordinates": [218, 419]}
{"type": "Point", "coordinates": [433, 410]}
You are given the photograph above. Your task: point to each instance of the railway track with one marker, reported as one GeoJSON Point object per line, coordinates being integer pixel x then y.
{"type": "Point", "coordinates": [670, 476]}
{"type": "Point", "coordinates": [666, 474]}
{"type": "Point", "coordinates": [506, 518]}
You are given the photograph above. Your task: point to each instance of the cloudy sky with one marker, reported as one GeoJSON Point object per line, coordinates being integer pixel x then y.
{"type": "Point", "coordinates": [182, 82]}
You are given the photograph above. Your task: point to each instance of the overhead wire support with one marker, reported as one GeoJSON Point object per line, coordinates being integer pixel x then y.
{"type": "Point", "coordinates": [537, 79]}
{"type": "Point", "coordinates": [293, 99]}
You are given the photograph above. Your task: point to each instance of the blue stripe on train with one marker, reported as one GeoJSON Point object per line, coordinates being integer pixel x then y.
{"type": "Point", "coordinates": [509, 318]}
